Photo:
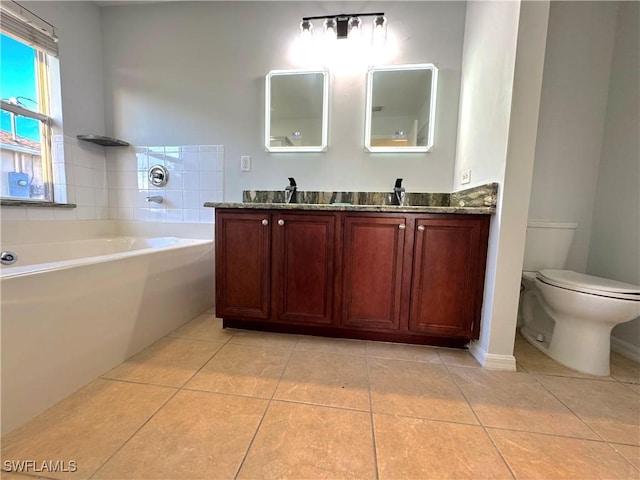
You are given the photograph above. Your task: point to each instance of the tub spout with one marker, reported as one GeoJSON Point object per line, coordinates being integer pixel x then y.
{"type": "Point", "coordinates": [155, 198]}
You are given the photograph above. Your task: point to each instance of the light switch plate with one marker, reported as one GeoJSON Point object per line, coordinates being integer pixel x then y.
{"type": "Point", "coordinates": [245, 163]}
{"type": "Point", "coordinates": [465, 176]}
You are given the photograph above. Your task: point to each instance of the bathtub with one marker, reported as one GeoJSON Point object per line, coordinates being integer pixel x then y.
{"type": "Point", "coordinates": [71, 311]}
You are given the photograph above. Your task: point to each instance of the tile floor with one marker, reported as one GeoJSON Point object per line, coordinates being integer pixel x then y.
{"type": "Point", "coordinates": [210, 403]}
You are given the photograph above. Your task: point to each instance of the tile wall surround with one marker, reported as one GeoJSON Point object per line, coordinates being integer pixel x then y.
{"type": "Point", "coordinates": [196, 175]}
{"type": "Point", "coordinates": [80, 177]}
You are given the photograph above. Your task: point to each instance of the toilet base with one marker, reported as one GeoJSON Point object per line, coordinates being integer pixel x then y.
{"type": "Point", "coordinates": [564, 349]}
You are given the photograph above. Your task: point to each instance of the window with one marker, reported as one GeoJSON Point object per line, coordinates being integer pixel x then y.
{"type": "Point", "coordinates": [25, 123]}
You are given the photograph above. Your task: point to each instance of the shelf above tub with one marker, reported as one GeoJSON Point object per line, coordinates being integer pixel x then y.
{"type": "Point", "coordinates": [104, 140]}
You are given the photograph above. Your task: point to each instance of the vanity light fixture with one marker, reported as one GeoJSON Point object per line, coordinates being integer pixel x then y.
{"type": "Point", "coordinates": [347, 25]}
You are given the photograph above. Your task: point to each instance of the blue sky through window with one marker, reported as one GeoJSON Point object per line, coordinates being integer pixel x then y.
{"type": "Point", "coordinates": [18, 79]}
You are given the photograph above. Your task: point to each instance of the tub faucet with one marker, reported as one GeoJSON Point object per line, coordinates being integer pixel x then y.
{"type": "Point", "coordinates": [398, 192]}
{"type": "Point", "coordinates": [290, 191]}
{"type": "Point", "coordinates": [155, 198]}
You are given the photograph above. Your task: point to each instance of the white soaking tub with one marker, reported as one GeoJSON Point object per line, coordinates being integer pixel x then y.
{"type": "Point", "coordinates": [71, 311]}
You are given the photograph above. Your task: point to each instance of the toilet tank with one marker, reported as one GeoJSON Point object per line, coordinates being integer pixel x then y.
{"type": "Point", "coordinates": [547, 245]}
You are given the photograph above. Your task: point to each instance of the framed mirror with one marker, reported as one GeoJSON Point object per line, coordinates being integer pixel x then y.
{"type": "Point", "coordinates": [296, 110]}
{"type": "Point", "coordinates": [401, 108]}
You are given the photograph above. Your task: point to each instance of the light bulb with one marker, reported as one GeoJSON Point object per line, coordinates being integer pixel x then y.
{"type": "Point", "coordinates": [306, 29]}
{"type": "Point", "coordinates": [355, 27]}
{"type": "Point", "coordinates": [330, 29]}
{"type": "Point", "coordinates": [379, 29]}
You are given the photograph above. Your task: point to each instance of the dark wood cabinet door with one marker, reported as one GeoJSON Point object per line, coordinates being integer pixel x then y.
{"type": "Point", "coordinates": [373, 252]}
{"type": "Point", "coordinates": [448, 275]}
{"type": "Point", "coordinates": [303, 267]}
{"type": "Point", "coordinates": [243, 264]}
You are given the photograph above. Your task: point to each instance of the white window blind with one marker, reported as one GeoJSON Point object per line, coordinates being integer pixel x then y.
{"type": "Point", "coordinates": [18, 22]}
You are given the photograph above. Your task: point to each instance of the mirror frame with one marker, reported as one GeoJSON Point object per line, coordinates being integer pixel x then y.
{"type": "Point", "coordinates": [432, 109]}
{"type": "Point", "coordinates": [325, 112]}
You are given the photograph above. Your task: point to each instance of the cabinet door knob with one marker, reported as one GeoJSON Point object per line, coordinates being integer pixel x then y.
{"type": "Point", "coordinates": [421, 228]}
{"type": "Point", "coordinates": [402, 226]}
{"type": "Point", "coordinates": [281, 222]}
{"type": "Point", "coordinates": [265, 222]}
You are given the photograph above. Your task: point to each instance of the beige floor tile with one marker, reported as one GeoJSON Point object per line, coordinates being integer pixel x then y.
{"type": "Point", "coordinates": [633, 386]}
{"type": "Point", "coordinates": [517, 401]}
{"type": "Point", "coordinates": [325, 379]}
{"type": "Point", "coordinates": [630, 452]}
{"type": "Point", "coordinates": [264, 339]}
{"type": "Point", "coordinates": [417, 448]}
{"type": "Point", "coordinates": [416, 389]}
{"type": "Point", "coordinates": [87, 427]}
{"type": "Point", "coordinates": [205, 327]}
{"type": "Point", "coordinates": [307, 441]}
{"type": "Point", "coordinates": [242, 370]}
{"type": "Point", "coordinates": [462, 358]}
{"type": "Point", "coordinates": [169, 362]}
{"type": "Point", "coordinates": [401, 351]}
{"type": "Point", "coordinates": [195, 435]}
{"type": "Point", "coordinates": [6, 475]}
{"type": "Point", "coordinates": [532, 455]}
{"type": "Point", "coordinates": [624, 369]}
{"type": "Point", "coordinates": [534, 361]}
{"type": "Point", "coordinates": [609, 408]}
{"type": "Point", "coordinates": [331, 345]}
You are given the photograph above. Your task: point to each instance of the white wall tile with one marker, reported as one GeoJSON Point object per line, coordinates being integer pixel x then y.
{"type": "Point", "coordinates": [141, 214]}
{"type": "Point", "coordinates": [13, 213]}
{"type": "Point", "coordinates": [191, 160]}
{"type": "Point", "coordinates": [191, 199]}
{"type": "Point", "coordinates": [208, 180]}
{"type": "Point", "coordinates": [191, 215]}
{"type": "Point", "coordinates": [85, 196]}
{"type": "Point", "coordinates": [206, 215]}
{"type": "Point", "coordinates": [65, 214]}
{"type": "Point", "coordinates": [40, 213]}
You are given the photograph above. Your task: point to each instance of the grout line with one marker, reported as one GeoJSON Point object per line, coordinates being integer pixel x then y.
{"type": "Point", "coordinates": [484, 429]}
{"type": "Point", "coordinates": [134, 433]}
{"type": "Point", "coordinates": [266, 409]}
{"type": "Point", "coordinates": [373, 429]}
{"type": "Point", "coordinates": [178, 390]}
{"type": "Point", "coordinates": [621, 455]}
{"type": "Point", "coordinates": [568, 407]}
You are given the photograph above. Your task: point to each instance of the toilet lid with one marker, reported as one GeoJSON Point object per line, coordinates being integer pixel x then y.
{"type": "Point", "coordinates": [581, 282]}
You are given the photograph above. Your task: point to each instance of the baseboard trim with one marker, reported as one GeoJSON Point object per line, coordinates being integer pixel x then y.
{"type": "Point", "coordinates": [625, 349]}
{"type": "Point", "coordinates": [492, 361]}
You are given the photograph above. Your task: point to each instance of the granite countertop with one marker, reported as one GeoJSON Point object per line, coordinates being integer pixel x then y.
{"type": "Point", "coordinates": [353, 208]}
{"type": "Point", "coordinates": [478, 200]}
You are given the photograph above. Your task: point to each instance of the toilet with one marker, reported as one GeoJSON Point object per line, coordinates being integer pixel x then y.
{"type": "Point", "coordinates": [568, 315]}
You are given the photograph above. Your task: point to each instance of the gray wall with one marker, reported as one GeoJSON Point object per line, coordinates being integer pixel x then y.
{"type": "Point", "coordinates": [572, 111]}
{"type": "Point", "coordinates": [79, 29]}
{"type": "Point", "coordinates": [193, 73]}
{"type": "Point", "coordinates": [614, 250]}
{"type": "Point", "coordinates": [587, 167]}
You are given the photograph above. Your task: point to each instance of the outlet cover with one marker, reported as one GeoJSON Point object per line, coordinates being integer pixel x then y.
{"type": "Point", "coordinates": [465, 176]}
{"type": "Point", "coordinates": [245, 163]}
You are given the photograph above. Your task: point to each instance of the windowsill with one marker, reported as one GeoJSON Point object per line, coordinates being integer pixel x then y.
{"type": "Point", "coordinates": [7, 202]}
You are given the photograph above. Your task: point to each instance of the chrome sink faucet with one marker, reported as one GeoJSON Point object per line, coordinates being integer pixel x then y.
{"type": "Point", "coordinates": [290, 191]}
{"type": "Point", "coordinates": [398, 192]}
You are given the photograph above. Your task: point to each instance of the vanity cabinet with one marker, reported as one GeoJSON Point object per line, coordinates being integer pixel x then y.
{"type": "Point", "coordinates": [275, 266]}
{"type": "Point", "coordinates": [449, 256]}
{"type": "Point", "coordinates": [373, 252]}
{"type": "Point", "coordinates": [408, 277]}
{"type": "Point", "coordinates": [413, 274]}
{"type": "Point", "coordinates": [303, 268]}
{"type": "Point", "coordinates": [243, 265]}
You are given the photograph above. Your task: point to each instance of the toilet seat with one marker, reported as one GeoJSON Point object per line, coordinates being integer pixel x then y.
{"type": "Point", "coordinates": [580, 282]}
